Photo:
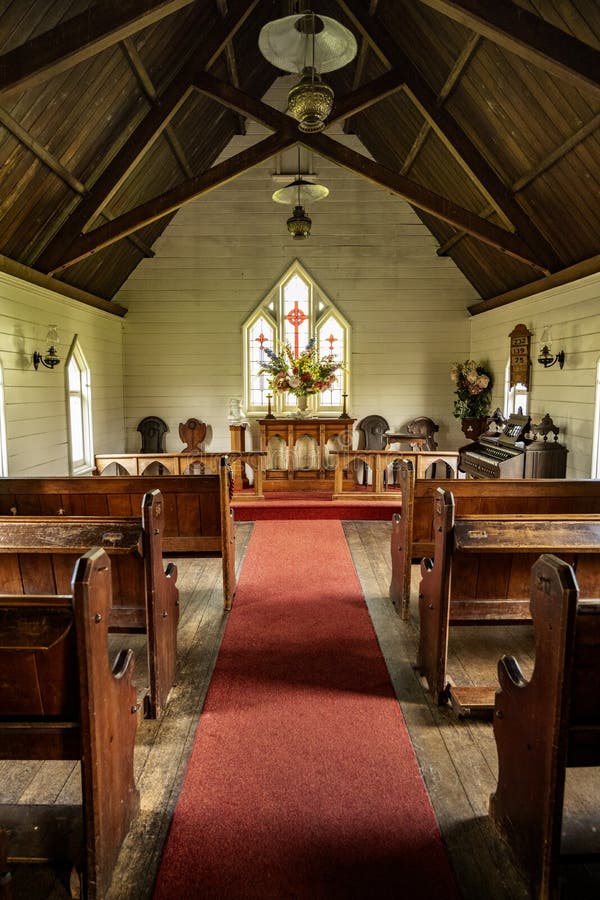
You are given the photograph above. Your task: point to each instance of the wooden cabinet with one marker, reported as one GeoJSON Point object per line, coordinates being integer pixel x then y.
{"type": "Point", "coordinates": [299, 451]}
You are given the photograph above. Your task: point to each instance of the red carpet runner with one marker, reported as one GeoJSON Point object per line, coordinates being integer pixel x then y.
{"type": "Point", "coordinates": [302, 782]}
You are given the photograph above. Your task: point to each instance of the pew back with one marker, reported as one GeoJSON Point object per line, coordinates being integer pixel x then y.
{"type": "Point", "coordinates": [413, 535]}
{"type": "Point", "coordinates": [548, 723]}
{"type": "Point", "coordinates": [481, 575]}
{"type": "Point", "coordinates": [37, 555]}
{"type": "Point", "coordinates": [64, 700]}
{"type": "Point", "coordinates": [198, 517]}
{"type": "Point", "coordinates": [191, 503]}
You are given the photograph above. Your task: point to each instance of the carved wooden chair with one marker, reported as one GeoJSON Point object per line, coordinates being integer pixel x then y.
{"type": "Point", "coordinates": [372, 436]}
{"type": "Point", "coordinates": [153, 431]}
{"type": "Point", "coordinates": [423, 427]}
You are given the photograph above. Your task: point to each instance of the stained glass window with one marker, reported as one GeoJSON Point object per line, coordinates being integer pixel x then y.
{"type": "Point", "coordinates": [294, 312]}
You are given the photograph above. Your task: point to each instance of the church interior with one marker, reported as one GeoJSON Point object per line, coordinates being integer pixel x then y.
{"type": "Point", "coordinates": [200, 197]}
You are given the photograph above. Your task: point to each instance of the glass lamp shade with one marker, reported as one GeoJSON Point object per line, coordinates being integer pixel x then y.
{"type": "Point", "coordinates": [292, 42]}
{"type": "Point", "coordinates": [299, 224]}
{"type": "Point", "coordinates": [300, 192]}
{"type": "Point", "coordinates": [310, 102]}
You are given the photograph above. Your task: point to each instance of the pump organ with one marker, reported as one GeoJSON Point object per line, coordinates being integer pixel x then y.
{"type": "Point", "coordinates": [510, 455]}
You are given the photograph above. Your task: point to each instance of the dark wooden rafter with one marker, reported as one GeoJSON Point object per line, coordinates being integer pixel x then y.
{"type": "Point", "coordinates": [78, 39]}
{"type": "Point", "coordinates": [232, 68]}
{"type": "Point", "coordinates": [141, 73]}
{"type": "Point", "coordinates": [528, 36]}
{"type": "Point", "coordinates": [447, 88]}
{"type": "Point", "coordinates": [361, 61]}
{"type": "Point", "coordinates": [54, 164]}
{"type": "Point", "coordinates": [454, 138]}
{"type": "Point", "coordinates": [172, 200]}
{"type": "Point", "coordinates": [414, 193]}
{"type": "Point", "coordinates": [367, 95]}
{"type": "Point", "coordinates": [143, 136]}
{"type": "Point", "coordinates": [287, 134]}
{"type": "Point", "coordinates": [572, 273]}
{"type": "Point", "coordinates": [521, 183]}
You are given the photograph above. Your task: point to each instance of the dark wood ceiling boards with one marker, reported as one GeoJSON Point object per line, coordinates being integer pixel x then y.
{"type": "Point", "coordinates": [484, 115]}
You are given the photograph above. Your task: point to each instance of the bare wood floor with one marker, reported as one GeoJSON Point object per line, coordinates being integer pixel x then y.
{"type": "Point", "coordinates": [457, 757]}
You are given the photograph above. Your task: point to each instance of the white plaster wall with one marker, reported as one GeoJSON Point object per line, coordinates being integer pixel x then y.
{"type": "Point", "coordinates": [217, 258]}
{"type": "Point", "coordinates": [573, 313]}
{"type": "Point", "coordinates": [35, 402]}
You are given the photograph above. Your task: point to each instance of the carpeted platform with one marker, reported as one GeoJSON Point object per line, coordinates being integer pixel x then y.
{"type": "Point", "coordinates": [302, 782]}
{"type": "Point", "coordinates": [312, 505]}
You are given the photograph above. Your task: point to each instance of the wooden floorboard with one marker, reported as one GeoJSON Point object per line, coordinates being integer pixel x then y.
{"type": "Point", "coordinates": [457, 758]}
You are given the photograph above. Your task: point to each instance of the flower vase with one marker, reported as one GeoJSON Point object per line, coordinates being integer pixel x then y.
{"type": "Point", "coordinates": [472, 428]}
{"type": "Point", "coordinates": [302, 406]}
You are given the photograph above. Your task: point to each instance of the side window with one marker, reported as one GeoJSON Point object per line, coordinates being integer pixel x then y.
{"type": "Point", "coordinates": [79, 410]}
{"type": "Point", "coordinates": [515, 398]}
{"type": "Point", "coordinates": [294, 312]}
{"type": "Point", "coordinates": [3, 452]}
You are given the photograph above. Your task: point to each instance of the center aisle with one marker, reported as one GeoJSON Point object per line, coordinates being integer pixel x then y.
{"type": "Point", "coordinates": [302, 782]}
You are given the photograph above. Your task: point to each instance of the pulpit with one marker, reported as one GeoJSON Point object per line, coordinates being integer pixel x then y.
{"type": "Point", "coordinates": [301, 452]}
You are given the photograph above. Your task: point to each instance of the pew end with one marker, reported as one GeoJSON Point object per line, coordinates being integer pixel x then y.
{"type": "Point", "coordinates": [37, 555]}
{"type": "Point", "coordinates": [481, 574]}
{"type": "Point", "coordinates": [65, 699]}
{"type": "Point", "coordinates": [546, 724]}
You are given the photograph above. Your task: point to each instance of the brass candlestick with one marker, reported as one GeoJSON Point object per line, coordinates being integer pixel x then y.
{"type": "Point", "coordinates": [269, 414]}
{"type": "Point", "coordinates": [344, 414]}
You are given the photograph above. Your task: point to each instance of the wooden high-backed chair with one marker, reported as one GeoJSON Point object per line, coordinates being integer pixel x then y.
{"type": "Point", "coordinates": [422, 426]}
{"type": "Point", "coordinates": [373, 429]}
{"type": "Point", "coordinates": [152, 429]}
{"type": "Point", "coordinates": [372, 436]}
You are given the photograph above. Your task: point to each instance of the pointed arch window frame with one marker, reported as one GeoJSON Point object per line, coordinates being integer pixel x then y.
{"type": "Point", "coordinates": [79, 411]}
{"type": "Point", "coordinates": [271, 312]}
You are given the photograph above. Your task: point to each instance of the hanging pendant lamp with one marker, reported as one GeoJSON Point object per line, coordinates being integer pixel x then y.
{"type": "Point", "coordinates": [298, 192]}
{"type": "Point", "coordinates": [310, 45]}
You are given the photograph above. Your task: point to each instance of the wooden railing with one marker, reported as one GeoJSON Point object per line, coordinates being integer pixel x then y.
{"type": "Point", "coordinates": [377, 469]}
{"type": "Point", "coordinates": [189, 464]}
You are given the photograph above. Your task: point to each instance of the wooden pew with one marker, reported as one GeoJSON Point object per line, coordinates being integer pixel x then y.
{"type": "Point", "coordinates": [412, 535]}
{"type": "Point", "coordinates": [480, 576]}
{"type": "Point", "coordinates": [37, 555]}
{"type": "Point", "coordinates": [198, 514]}
{"type": "Point", "coordinates": [62, 699]}
{"type": "Point", "coordinates": [546, 724]}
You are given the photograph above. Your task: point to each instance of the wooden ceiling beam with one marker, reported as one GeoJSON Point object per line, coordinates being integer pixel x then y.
{"type": "Point", "coordinates": [143, 136]}
{"type": "Point", "coordinates": [52, 163]}
{"type": "Point", "coordinates": [367, 95]}
{"type": "Point", "coordinates": [414, 193]}
{"type": "Point", "coordinates": [422, 198]}
{"type": "Point", "coordinates": [572, 273]}
{"type": "Point", "coordinates": [528, 36]}
{"type": "Point", "coordinates": [232, 68]}
{"type": "Point", "coordinates": [78, 39]}
{"type": "Point", "coordinates": [287, 134]}
{"type": "Point", "coordinates": [454, 138]}
{"type": "Point", "coordinates": [521, 183]}
{"type": "Point", "coordinates": [361, 60]}
{"type": "Point", "coordinates": [447, 88]}
{"type": "Point", "coordinates": [141, 73]}
{"type": "Point", "coordinates": [172, 200]}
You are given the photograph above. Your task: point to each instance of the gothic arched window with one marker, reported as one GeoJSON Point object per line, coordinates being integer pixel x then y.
{"type": "Point", "coordinates": [293, 312]}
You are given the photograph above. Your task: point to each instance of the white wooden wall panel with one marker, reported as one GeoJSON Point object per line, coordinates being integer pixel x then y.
{"type": "Point", "coordinates": [573, 312]}
{"type": "Point", "coordinates": [219, 256]}
{"type": "Point", "coordinates": [36, 412]}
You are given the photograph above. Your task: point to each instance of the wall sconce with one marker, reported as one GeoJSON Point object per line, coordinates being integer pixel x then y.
{"type": "Point", "coordinates": [51, 357]}
{"type": "Point", "coordinates": [545, 357]}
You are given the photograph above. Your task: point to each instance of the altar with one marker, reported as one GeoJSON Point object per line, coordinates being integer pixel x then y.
{"type": "Point", "coordinates": [302, 452]}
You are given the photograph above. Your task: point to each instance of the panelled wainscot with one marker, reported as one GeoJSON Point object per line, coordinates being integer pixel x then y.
{"type": "Point", "coordinates": [301, 453]}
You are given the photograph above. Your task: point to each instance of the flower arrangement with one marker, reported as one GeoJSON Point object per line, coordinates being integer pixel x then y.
{"type": "Point", "coordinates": [300, 375]}
{"type": "Point", "coordinates": [473, 389]}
